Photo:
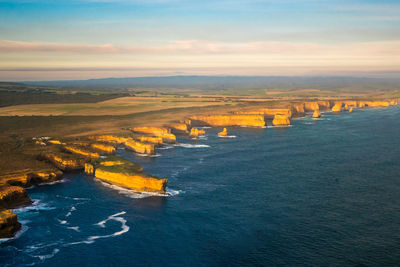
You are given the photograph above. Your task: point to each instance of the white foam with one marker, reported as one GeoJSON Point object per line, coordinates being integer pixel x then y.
{"type": "Point", "coordinates": [23, 229]}
{"type": "Point", "coordinates": [165, 147]}
{"type": "Point", "coordinates": [227, 136]}
{"type": "Point", "coordinates": [48, 256]}
{"type": "Point", "coordinates": [202, 127]}
{"type": "Point", "coordinates": [36, 205]}
{"type": "Point", "coordinates": [147, 155]}
{"type": "Point", "coordinates": [75, 228]}
{"type": "Point", "coordinates": [52, 183]}
{"type": "Point", "coordinates": [62, 221]}
{"type": "Point", "coordinates": [192, 146]}
{"type": "Point", "coordinates": [245, 126]}
{"type": "Point", "coordinates": [279, 126]}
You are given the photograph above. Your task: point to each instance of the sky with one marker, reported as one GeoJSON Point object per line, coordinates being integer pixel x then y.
{"type": "Point", "coordinates": [81, 39]}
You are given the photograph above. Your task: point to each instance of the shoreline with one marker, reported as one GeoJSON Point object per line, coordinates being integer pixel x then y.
{"type": "Point", "coordinates": [74, 154]}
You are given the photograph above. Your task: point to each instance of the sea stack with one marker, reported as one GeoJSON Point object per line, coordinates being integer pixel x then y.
{"type": "Point", "coordinates": [351, 109]}
{"type": "Point", "coordinates": [337, 107]}
{"type": "Point", "coordinates": [195, 133]}
{"type": "Point", "coordinates": [317, 114]}
{"type": "Point", "coordinates": [223, 133]}
{"type": "Point", "coordinates": [281, 120]}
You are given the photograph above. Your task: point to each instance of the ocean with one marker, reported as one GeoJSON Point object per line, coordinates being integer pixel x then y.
{"type": "Point", "coordinates": [320, 192]}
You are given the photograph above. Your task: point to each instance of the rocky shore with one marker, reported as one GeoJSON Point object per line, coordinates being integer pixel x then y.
{"type": "Point", "coordinates": [94, 154]}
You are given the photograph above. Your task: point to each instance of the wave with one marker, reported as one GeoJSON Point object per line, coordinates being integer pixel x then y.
{"type": "Point", "coordinates": [192, 146]}
{"type": "Point", "coordinates": [116, 217]}
{"type": "Point", "coordinates": [135, 194]}
{"type": "Point", "coordinates": [23, 229]}
{"type": "Point", "coordinates": [279, 126]}
{"type": "Point", "coordinates": [75, 228]}
{"type": "Point", "coordinates": [245, 126]}
{"type": "Point", "coordinates": [35, 206]}
{"type": "Point", "coordinates": [202, 127]}
{"type": "Point", "coordinates": [165, 147]}
{"type": "Point", "coordinates": [52, 183]}
{"type": "Point", "coordinates": [47, 256]}
{"type": "Point", "coordinates": [146, 155]}
{"type": "Point", "coordinates": [227, 136]}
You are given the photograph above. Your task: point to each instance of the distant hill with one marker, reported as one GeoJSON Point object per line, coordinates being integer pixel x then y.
{"type": "Point", "coordinates": [215, 83]}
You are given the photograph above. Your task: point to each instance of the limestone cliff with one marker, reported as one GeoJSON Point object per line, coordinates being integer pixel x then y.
{"type": "Point", "coordinates": [229, 120]}
{"type": "Point", "coordinates": [82, 152]}
{"type": "Point", "coordinates": [280, 120]}
{"type": "Point", "coordinates": [121, 172]}
{"type": "Point", "coordinates": [195, 133]}
{"type": "Point", "coordinates": [351, 109]}
{"type": "Point", "coordinates": [337, 107]}
{"type": "Point", "coordinates": [150, 139]}
{"type": "Point", "coordinates": [311, 106]}
{"type": "Point", "coordinates": [164, 133]}
{"type": "Point", "coordinates": [178, 128]}
{"type": "Point", "coordinates": [9, 224]}
{"type": "Point", "coordinates": [64, 161]}
{"type": "Point", "coordinates": [139, 147]}
{"type": "Point", "coordinates": [317, 114]}
{"type": "Point", "coordinates": [223, 133]}
{"type": "Point", "coordinates": [13, 196]}
{"type": "Point", "coordinates": [298, 109]}
{"type": "Point", "coordinates": [26, 178]}
{"type": "Point", "coordinates": [103, 149]}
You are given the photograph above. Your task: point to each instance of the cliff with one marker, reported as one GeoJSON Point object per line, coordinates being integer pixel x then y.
{"type": "Point", "coordinates": [351, 109]}
{"type": "Point", "coordinates": [317, 114]}
{"type": "Point", "coordinates": [82, 152]}
{"type": "Point", "coordinates": [337, 107]}
{"type": "Point", "coordinates": [26, 178]}
{"type": "Point", "coordinates": [280, 120]}
{"type": "Point", "coordinates": [298, 109]}
{"type": "Point", "coordinates": [164, 133]}
{"type": "Point", "coordinates": [139, 147]}
{"type": "Point", "coordinates": [103, 149]}
{"type": "Point", "coordinates": [63, 161]}
{"type": "Point", "coordinates": [178, 128]}
{"type": "Point", "coordinates": [223, 133]}
{"type": "Point", "coordinates": [13, 196]}
{"type": "Point", "coordinates": [229, 120]}
{"type": "Point", "coordinates": [150, 139]}
{"type": "Point", "coordinates": [9, 224]}
{"type": "Point", "coordinates": [121, 172]}
{"type": "Point", "coordinates": [195, 133]}
{"type": "Point", "coordinates": [311, 106]}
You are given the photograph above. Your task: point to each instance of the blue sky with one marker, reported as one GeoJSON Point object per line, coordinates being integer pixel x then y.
{"type": "Point", "coordinates": [219, 35]}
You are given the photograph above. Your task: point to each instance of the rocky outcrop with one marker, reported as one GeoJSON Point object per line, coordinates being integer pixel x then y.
{"type": "Point", "coordinates": [345, 107]}
{"type": "Point", "coordinates": [311, 106]}
{"type": "Point", "coordinates": [103, 149]}
{"type": "Point", "coordinates": [195, 133]}
{"type": "Point", "coordinates": [9, 224]}
{"type": "Point", "coordinates": [324, 105]}
{"type": "Point", "coordinates": [337, 107]}
{"type": "Point", "coordinates": [393, 102]}
{"type": "Point", "coordinates": [150, 139]}
{"type": "Point", "coordinates": [179, 128]}
{"type": "Point", "coordinates": [281, 120]}
{"type": "Point", "coordinates": [164, 133]}
{"type": "Point", "coordinates": [13, 196]}
{"type": "Point", "coordinates": [82, 152]}
{"type": "Point", "coordinates": [223, 133]}
{"type": "Point", "coordinates": [89, 169]}
{"type": "Point", "coordinates": [377, 104]}
{"type": "Point", "coordinates": [351, 109]}
{"type": "Point", "coordinates": [118, 171]}
{"type": "Point", "coordinates": [298, 109]}
{"type": "Point", "coordinates": [139, 147]}
{"type": "Point", "coordinates": [54, 142]}
{"type": "Point", "coordinates": [317, 114]}
{"type": "Point", "coordinates": [26, 178]}
{"type": "Point", "coordinates": [229, 120]}
{"type": "Point", "coordinates": [64, 161]}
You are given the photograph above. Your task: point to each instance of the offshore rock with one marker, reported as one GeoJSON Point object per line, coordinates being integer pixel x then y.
{"type": "Point", "coordinates": [337, 107]}
{"type": "Point", "coordinates": [351, 109]}
{"type": "Point", "coordinates": [223, 133]}
{"type": "Point", "coordinates": [9, 224]}
{"type": "Point", "coordinates": [195, 133]}
{"type": "Point", "coordinates": [317, 114]}
{"type": "Point", "coordinates": [280, 120]}
{"type": "Point", "coordinates": [230, 120]}
{"type": "Point", "coordinates": [13, 196]}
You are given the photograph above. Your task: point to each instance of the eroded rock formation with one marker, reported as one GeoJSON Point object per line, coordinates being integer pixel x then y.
{"type": "Point", "coordinates": [281, 120]}
{"type": "Point", "coordinates": [317, 114]}
{"type": "Point", "coordinates": [223, 133]}
{"type": "Point", "coordinates": [229, 120]}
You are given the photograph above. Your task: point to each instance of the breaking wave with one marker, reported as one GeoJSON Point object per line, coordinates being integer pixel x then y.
{"type": "Point", "coordinates": [227, 136]}
{"type": "Point", "coordinates": [192, 146]}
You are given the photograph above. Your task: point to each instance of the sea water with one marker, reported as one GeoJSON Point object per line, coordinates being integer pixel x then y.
{"type": "Point", "coordinates": [322, 192]}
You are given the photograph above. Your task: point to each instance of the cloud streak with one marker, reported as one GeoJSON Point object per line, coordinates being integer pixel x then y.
{"type": "Point", "coordinates": [201, 47]}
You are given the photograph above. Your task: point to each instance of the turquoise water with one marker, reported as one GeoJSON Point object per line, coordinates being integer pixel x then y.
{"type": "Point", "coordinates": [321, 192]}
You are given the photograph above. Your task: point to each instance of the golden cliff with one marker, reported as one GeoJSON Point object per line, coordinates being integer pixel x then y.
{"type": "Point", "coordinates": [337, 107]}
{"type": "Point", "coordinates": [230, 120]}
{"type": "Point", "coordinates": [281, 120]}
{"type": "Point", "coordinates": [9, 224]}
{"type": "Point", "coordinates": [179, 128]}
{"type": "Point", "coordinates": [26, 178]}
{"type": "Point", "coordinates": [195, 133]}
{"type": "Point", "coordinates": [129, 143]}
{"type": "Point", "coordinates": [317, 114]}
{"type": "Point", "coordinates": [82, 152]}
{"type": "Point", "coordinates": [311, 106]}
{"type": "Point", "coordinates": [121, 172]}
{"type": "Point", "coordinates": [13, 196]}
{"type": "Point", "coordinates": [164, 133]}
{"type": "Point", "coordinates": [150, 139]}
{"type": "Point", "coordinates": [223, 133]}
{"type": "Point", "coordinates": [64, 161]}
{"type": "Point", "coordinates": [103, 149]}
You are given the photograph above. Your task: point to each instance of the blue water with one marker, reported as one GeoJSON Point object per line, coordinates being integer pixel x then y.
{"type": "Point", "coordinates": [321, 192]}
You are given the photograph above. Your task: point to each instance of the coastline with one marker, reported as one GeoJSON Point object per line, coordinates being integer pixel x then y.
{"type": "Point", "coordinates": [66, 160]}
